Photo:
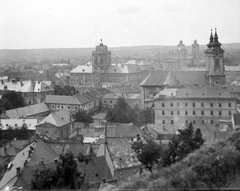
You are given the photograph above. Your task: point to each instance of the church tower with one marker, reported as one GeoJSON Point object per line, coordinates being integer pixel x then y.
{"type": "Point", "coordinates": [195, 52]}
{"type": "Point", "coordinates": [101, 58]}
{"type": "Point", "coordinates": [215, 64]}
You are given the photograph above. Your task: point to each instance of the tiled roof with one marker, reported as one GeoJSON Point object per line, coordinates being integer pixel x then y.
{"type": "Point", "coordinates": [58, 118]}
{"type": "Point", "coordinates": [122, 155]}
{"type": "Point", "coordinates": [10, 177]}
{"type": "Point", "coordinates": [18, 123]}
{"type": "Point", "coordinates": [171, 80]}
{"type": "Point", "coordinates": [156, 78]}
{"type": "Point", "coordinates": [126, 96]}
{"type": "Point", "coordinates": [37, 86]}
{"type": "Point", "coordinates": [133, 88]}
{"type": "Point", "coordinates": [60, 99]}
{"type": "Point", "coordinates": [236, 118]}
{"type": "Point", "coordinates": [96, 170]}
{"type": "Point", "coordinates": [83, 69]}
{"type": "Point", "coordinates": [82, 99]}
{"type": "Point", "coordinates": [122, 130]}
{"type": "Point", "coordinates": [196, 92]}
{"type": "Point", "coordinates": [14, 86]}
{"type": "Point", "coordinates": [123, 68]}
{"type": "Point", "coordinates": [27, 111]}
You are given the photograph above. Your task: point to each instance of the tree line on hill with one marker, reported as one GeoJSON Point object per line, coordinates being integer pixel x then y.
{"type": "Point", "coordinates": [188, 164]}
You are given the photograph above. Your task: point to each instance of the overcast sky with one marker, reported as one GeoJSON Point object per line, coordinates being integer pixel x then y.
{"type": "Point", "coordinates": [82, 23]}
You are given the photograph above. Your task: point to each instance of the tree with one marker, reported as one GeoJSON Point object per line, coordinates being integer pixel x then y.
{"type": "Point", "coordinates": [121, 113]}
{"type": "Point", "coordinates": [66, 90]}
{"type": "Point", "coordinates": [65, 176]}
{"type": "Point", "coordinates": [82, 116]}
{"type": "Point", "coordinates": [147, 116]}
{"type": "Point", "coordinates": [11, 100]}
{"type": "Point", "coordinates": [181, 145]}
{"type": "Point", "coordinates": [147, 153]}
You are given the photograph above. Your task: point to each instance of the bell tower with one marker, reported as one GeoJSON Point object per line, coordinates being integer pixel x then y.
{"type": "Point", "coordinates": [101, 58]}
{"type": "Point", "coordinates": [215, 64]}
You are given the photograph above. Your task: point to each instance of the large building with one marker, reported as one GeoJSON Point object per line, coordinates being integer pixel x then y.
{"type": "Point", "coordinates": [100, 71]}
{"type": "Point", "coordinates": [200, 97]}
{"type": "Point", "coordinates": [180, 59]}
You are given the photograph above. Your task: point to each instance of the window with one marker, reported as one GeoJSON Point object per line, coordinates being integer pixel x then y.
{"type": "Point", "coordinates": [171, 104]}
{"type": "Point", "coordinates": [211, 104]}
{"type": "Point", "coordinates": [211, 121]}
{"type": "Point", "coordinates": [202, 112]}
{"type": "Point", "coordinates": [53, 106]}
{"type": "Point", "coordinates": [202, 121]}
{"type": "Point", "coordinates": [193, 104]}
{"type": "Point", "coordinates": [163, 105]}
{"type": "Point", "coordinates": [194, 113]}
{"type": "Point", "coordinates": [62, 106]}
{"type": "Point", "coordinates": [58, 106]}
{"type": "Point", "coordinates": [230, 113]}
{"type": "Point", "coordinates": [211, 112]}
{"type": "Point", "coordinates": [186, 104]}
{"type": "Point", "coordinates": [163, 122]}
{"type": "Point", "coordinates": [171, 112]}
{"type": "Point", "coordinates": [202, 104]}
{"type": "Point", "coordinates": [229, 104]}
{"type": "Point", "coordinates": [178, 112]}
{"type": "Point", "coordinates": [186, 121]}
{"type": "Point", "coordinates": [220, 113]}
{"type": "Point", "coordinates": [163, 112]}
{"type": "Point", "coordinates": [177, 104]}
{"type": "Point", "coordinates": [220, 105]}
{"type": "Point", "coordinates": [186, 112]}
{"type": "Point", "coordinates": [111, 101]}
{"type": "Point", "coordinates": [172, 122]}
{"type": "Point", "coordinates": [194, 121]}
{"type": "Point", "coordinates": [69, 107]}
{"type": "Point", "coordinates": [105, 101]}
{"type": "Point", "coordinates": [76, 107]}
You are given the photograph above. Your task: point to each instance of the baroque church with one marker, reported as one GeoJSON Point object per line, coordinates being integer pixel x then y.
{"type": "Point", "coordinates": [100, 71]}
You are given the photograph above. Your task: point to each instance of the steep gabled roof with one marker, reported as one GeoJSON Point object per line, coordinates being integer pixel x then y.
{"type": "Point", "coordinates": [27, 111]}
{"type": "Point", "coordinates": [58, 118]}
{"type": "Point", "coordinates": [60, 99]}
{"type": "Point", "coordinates": [158, 77]}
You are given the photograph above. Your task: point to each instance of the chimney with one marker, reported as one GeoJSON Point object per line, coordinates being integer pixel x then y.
{"type": "Point", "coordinates": [29, 153]}
{"type": "Point", "coordinates": [56, 160]}
{"type": "Point", "coordinates": [103, 180]}
{"type": "Point", "coordinates": [42, 161]}
{"type": "Point", "coordinates": [18, 171]}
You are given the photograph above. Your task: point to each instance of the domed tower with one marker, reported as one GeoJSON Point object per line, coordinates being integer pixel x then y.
{"type": "Point", "coordinates": [195, 52]}
{"type": "Point", "coordinates": [182, 51]}
{"type": "Point", "coordinates": [215, 64]}
{"type": "Point", "coordinates": [101, 58]}
{"type": "Point", "coordinates": [195, 49]}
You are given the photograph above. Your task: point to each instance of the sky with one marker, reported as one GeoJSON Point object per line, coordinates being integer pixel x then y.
{"type": "Point", "coordinates": [32, 24]}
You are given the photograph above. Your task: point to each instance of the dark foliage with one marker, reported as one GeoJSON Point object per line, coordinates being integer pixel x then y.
{"type": "Point", "coordinates": [66, 90]}
{"type": "Point", "coordinates": [82, 116]}
{"type": "Point", "coordinates": [65, 176]}
{"type": "Point", "coordinates": [181, 145]}
{"type": "Point", "coordinates": [121, 113]}
{"type": "Point", "coordinates": [147, 153]}
{"type": "Point", "coordinates": [11, 100]}
{"type": "Point", "coordinates": [19, 133]}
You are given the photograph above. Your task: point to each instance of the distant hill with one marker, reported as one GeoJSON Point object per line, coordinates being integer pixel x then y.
{"type": "Point", "coordinates": [82, 54]}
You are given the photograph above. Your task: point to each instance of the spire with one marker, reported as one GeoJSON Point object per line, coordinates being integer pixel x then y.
{"type": "Point", "coordinates": [215, 36]}
{"type": "Point", "coordinates": [101, 44]}
{"type": "Point", "coordinates": [211, 40]}
{"type": "Point", "coordinates": [216, 44]}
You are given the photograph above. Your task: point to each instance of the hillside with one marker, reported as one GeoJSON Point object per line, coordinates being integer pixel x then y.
{"type": "Point", "coordinates": [83, 54]}
{"type": "Point", "coordinates": [214, 166]}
